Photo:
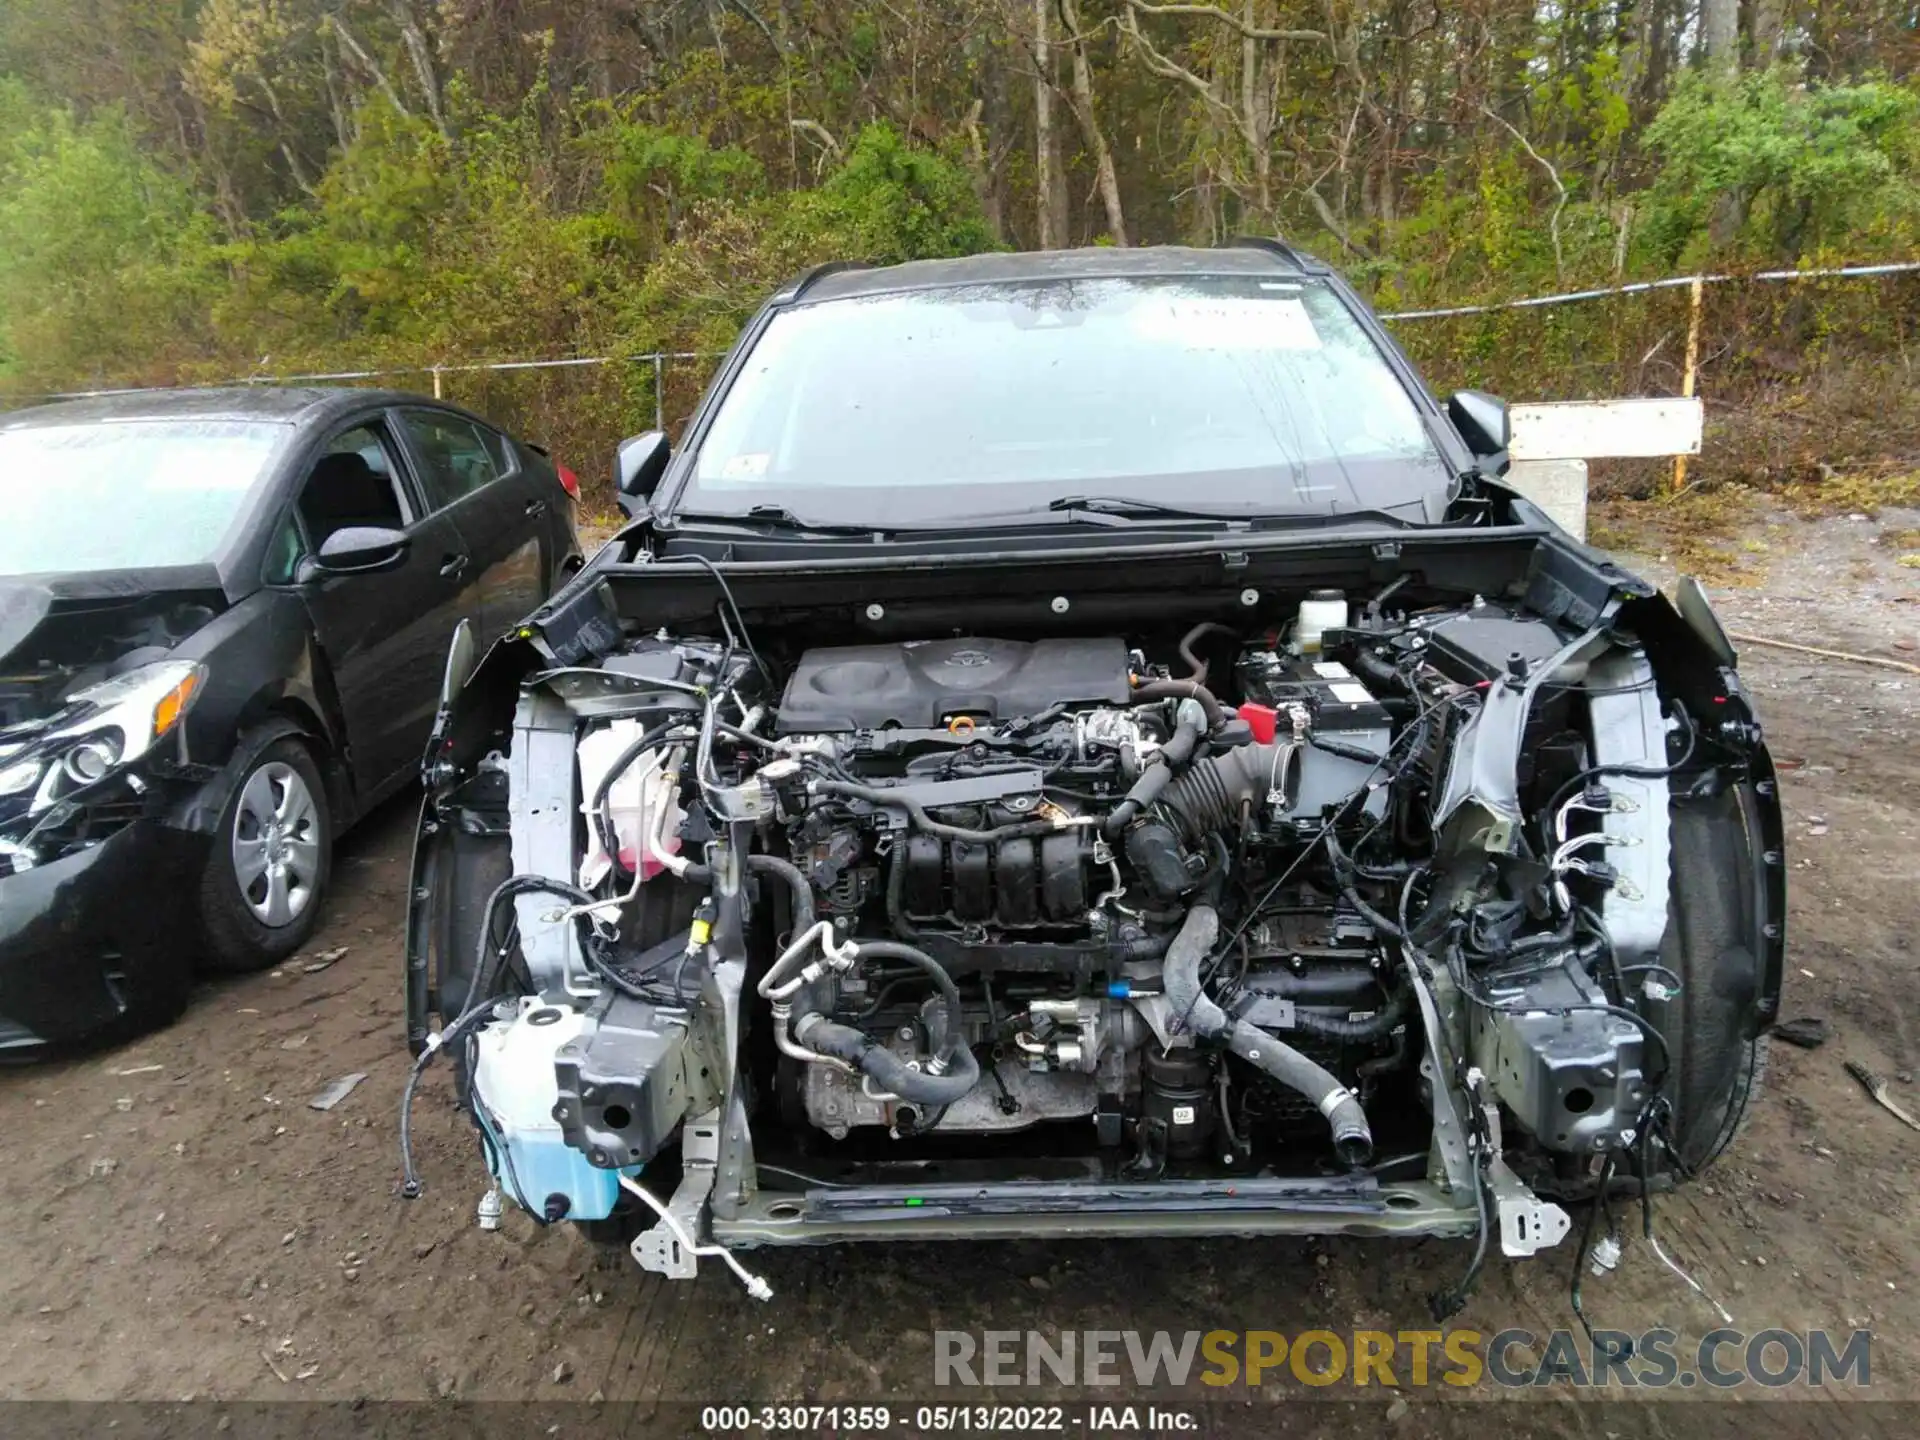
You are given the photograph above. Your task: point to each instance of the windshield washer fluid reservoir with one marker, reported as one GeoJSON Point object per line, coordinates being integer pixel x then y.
{"type": "Point", "coordinates": [1321, 611]}
{"type": "Point", "coordinates": [516, 1087]}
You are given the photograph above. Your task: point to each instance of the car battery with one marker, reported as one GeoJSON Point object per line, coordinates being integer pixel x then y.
{"type": "Point", "coordinates": [1285, 695]}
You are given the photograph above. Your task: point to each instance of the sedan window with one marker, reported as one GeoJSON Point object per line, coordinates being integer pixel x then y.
{"type": "Point", "coordinates": [352, 485]}
{"type": "Point", "coordinates": [126, 494]}
{"type": "Point", "coordinates": [455, 455]}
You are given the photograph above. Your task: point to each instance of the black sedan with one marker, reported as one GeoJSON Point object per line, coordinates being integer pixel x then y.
{"type": "Point", "coordinates": [224, 616]}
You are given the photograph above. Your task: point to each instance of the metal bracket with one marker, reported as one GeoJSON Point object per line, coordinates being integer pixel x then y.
{"type": "Point", "coordinates": [657, 1248]}
{"type": "Point", "coordinates": [1528, 1224]}
{"type": "Point", "coordinates": [1449, 1134]}
{"type": "Point", "coordinates": [541, 802]}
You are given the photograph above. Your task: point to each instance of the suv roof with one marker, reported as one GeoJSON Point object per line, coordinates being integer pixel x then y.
{"type": "Point", "coordinates": [1251, 257]}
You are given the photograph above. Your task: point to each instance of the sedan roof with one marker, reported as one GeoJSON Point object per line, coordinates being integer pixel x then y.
{"type": "Point", "coordinates": [272, 403]}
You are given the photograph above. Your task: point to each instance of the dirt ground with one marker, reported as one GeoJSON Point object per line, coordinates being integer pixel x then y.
{"type": "Point", "coordinates": [179, 1223]}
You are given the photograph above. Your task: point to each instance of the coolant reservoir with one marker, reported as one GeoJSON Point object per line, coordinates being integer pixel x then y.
{"type": "Point", "coordinates": [642, 802]}
{"type": "Point", "coordinates": [515, 1083]}
{"type": "Point", "coordinates": [1321, 611]}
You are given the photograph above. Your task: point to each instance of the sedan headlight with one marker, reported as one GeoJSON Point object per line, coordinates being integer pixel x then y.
{"type": "Point", "coordinates": [130, 714]}
{"type": "Point", "coordinates": [120, 720]}
{"type": "Point", "coordinates": [18, 776]}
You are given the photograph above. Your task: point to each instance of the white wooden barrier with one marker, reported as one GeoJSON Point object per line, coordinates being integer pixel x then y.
{"type": "Point", "coordinates": [1551, 445]}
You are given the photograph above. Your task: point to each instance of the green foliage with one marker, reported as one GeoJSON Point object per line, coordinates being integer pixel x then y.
{"type": "Point", "coordinates": [889, 202]}
{"type": "Point", "coordinates": [193, 189]}
{"type": "Point", "coordinates": [1777, 167]}
{"type": "Point", "coordinates": [355, 260]}
{"type": "Point", "coordinates": [885, 203]}
{"type": "Point", "coordinates": [420, 248]}
{"type": "Point", "coordinates": [652, 174]}
{"type": "Point", "coordinates": [101, 251]}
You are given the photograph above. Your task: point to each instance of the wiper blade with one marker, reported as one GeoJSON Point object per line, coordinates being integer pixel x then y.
{"type": "Point", "coordinates": [773, 517]}
{"type": "Point", "coordinates": [1134, 505]}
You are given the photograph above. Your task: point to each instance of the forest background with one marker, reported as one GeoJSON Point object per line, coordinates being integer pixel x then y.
{"type": "Point", "coordinates": [197, 190]}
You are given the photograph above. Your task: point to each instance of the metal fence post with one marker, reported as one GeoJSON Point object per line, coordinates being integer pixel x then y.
{"type": "Point", "coordinates": [659, 391]}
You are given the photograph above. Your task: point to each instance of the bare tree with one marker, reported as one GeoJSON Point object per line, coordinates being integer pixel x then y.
{"type": "Point", "coordinates": [1247, 104]}
{"type": "Point", "coordinates": [1720, 30]}
{"type": "Point", "coordinates": [1089, 120]}
{"type": "Point", "coordinates": [1049, 192]}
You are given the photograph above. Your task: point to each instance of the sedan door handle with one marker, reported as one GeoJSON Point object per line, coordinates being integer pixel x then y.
{"type": "Point", "coordinates": [536, 507]}
{"type": "Point", "coordinates": [453, 566]}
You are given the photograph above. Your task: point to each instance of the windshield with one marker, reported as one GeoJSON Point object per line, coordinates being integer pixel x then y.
{"type": "Point", "coordinates": [125, 495]}
{"type": "Point", "coordinates": [1232, 394]}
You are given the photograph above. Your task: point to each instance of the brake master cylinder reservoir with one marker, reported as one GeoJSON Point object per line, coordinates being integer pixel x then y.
{"type": "Point", "coordinates": [516, 1087]}
{"type": "Point", "coordinates": [1321, 611]}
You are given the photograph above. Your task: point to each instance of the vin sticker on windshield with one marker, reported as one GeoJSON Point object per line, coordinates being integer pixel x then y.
{"type": "Point", "coordinates": [748, 465]}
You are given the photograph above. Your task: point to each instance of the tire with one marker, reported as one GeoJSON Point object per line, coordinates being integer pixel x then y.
{"type": "Point", "coordinates": [1711, 943]}
{"type": "Point", "coordinates": [258, 918]}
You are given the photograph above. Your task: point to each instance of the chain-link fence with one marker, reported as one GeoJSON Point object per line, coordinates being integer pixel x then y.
{"type": "Point", "coordinates": [1802, 372]}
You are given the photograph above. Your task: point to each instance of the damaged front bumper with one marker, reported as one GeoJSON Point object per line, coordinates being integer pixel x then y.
{"type": "Point", "coordinates": [93, 938]}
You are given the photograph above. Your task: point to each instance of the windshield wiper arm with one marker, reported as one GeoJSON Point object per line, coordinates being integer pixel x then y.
{"type": "Point", "coordinates": [775, 517]}
{"type": "Point", "coordinates": [1134, 505]}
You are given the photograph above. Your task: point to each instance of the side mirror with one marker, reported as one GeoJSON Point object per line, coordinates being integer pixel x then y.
{"type": "Point", "coordinates": [359, 550]}
{"type": "Point", "coordinates": [1482, 421]}
{"type": "Point", "coordinates": [638, 464]}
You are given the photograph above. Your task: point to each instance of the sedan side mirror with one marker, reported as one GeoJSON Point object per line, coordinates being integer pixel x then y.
{"type": "Point", "coordinates": [359, 550]}
{"type": "Point", "coordinates": [638, 464]}
{"type": "Point", "coordinates": [1482, 421]}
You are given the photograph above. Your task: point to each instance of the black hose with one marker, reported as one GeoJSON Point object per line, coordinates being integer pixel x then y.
{"type": "Point", "coordinates": [895, 799]}
{"type": "Point", "coordinates": [943, 982]}
{"type": "Point", "coordinates": [1153, 690]}
{"type": "Point", "coordinates": [726, 593]}
{"type": "Point", "coordinates": [1197, 671]}
{"type": "Point", "coordinates": [1346, 752]}
{"type": "Point", "coordinates": [1346, 983]}
{"type": "Point", "coordinates": [479, 997]}
{"type": "Point", "coordinates": [1352, 1136]}
{"type": "Point", "coordinates": [1169, 762]}
{"type": "Point", "coordinates": [886, 1069]}
{"type": "Point", "coordinates": [1140, 947]}
{"type": "Point", "coordinates": [1380, 673]}
{"type": "Point", "coordinates": [1377, 1026]}
{"type": "Point", "coordinates": [897, 892]}
{"type": "Point", "coordinates": [797, 885]}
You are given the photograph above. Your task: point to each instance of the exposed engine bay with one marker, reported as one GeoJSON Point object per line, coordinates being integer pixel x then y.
{"type": "Point", "coordinates": [1331, 911]}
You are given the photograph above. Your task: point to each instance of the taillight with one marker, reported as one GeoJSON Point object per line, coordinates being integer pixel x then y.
{"type": "Point", "coordinates": [569, 481]}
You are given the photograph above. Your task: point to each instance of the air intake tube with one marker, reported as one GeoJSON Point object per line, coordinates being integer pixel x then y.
{"type": "Point", "coordinates": [1352, 1138]}
{"type": "Point", "coordinates": [1208, 795]}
